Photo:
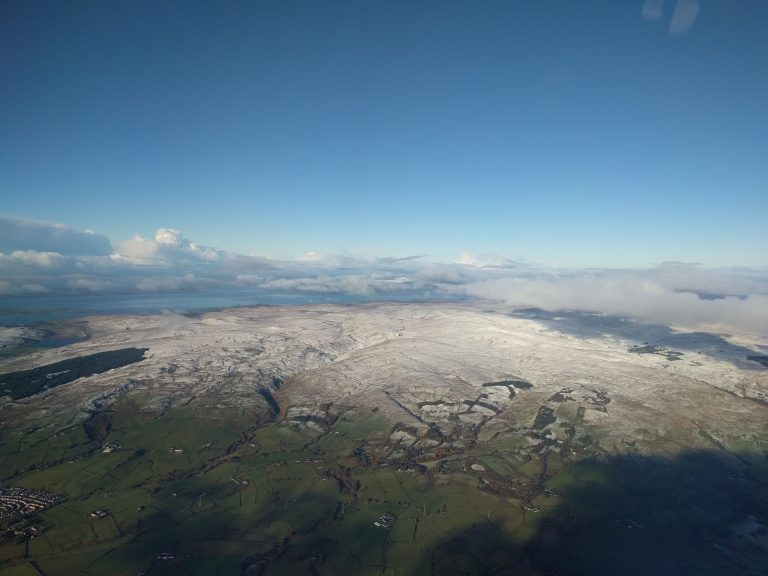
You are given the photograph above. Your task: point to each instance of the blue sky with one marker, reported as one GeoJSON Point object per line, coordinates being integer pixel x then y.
{"type": "Point", "coordinates": [558, 133]}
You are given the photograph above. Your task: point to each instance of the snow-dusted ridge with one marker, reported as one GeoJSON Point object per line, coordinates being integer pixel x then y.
{"type": "Point", "coordinates": [422, 365]}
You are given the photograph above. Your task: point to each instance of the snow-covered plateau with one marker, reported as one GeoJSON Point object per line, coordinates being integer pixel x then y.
{"type": "Point", "coordinates": [429, 366]}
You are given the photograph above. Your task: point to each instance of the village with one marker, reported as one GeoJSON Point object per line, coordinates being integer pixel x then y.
{"type": "Point", "coordinates": [15, 502]}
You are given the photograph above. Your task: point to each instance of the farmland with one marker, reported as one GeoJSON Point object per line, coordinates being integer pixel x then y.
{"type": "Point", "coordinates": [280, 500]}
{"type": "Point", "coordinates": [242, 444]}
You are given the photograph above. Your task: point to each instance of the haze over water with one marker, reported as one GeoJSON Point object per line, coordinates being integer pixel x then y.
{"type": "Point", "coordinates": [26, 310]}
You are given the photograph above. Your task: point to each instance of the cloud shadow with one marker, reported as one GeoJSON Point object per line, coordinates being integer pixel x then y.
{"type": "Point", "coordinates": [596, 325]}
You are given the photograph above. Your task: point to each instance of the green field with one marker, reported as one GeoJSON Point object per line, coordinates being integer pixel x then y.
{"type": "Point", "coordinates": [242, 499]}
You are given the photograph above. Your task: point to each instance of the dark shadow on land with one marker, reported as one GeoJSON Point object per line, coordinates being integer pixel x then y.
{"type": "Point", "coordinates": [596, 325]}
{"type": "Point", "coordinates": [702, 513]}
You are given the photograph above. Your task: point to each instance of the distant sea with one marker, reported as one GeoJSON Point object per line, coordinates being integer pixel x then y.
{"type": "Point", "coordinates": [27, 310]}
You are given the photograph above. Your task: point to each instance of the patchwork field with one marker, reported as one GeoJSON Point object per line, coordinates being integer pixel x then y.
{"type": "Point", "coordinates": [581, 457]}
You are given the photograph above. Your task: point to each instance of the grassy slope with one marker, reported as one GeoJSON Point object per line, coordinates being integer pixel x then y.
{"type": "Point", "coordinates": [296, 517]}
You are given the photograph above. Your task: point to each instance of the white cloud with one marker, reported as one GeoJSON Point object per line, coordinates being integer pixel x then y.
{"type": "Point", "coordinates": [166, 262]}
{"type": "Point", "coordinates": [311, 257]}
{"type": "Point", "coordinates": [672, 293]}
{"type": "Point", "coordinates": [40, 236]}
{"type": "Point", "coordinates": [168, 237]}
{"type": "Point", "coordinates": [32, 258]}
{"type": "Point", "coordinates": [485, 261]}
{"type": "Point", "coordinates": [168, 246]}
{"type": "Point", "coordinates": [355, 260]}
{"type": "Point", "coordinates": [137, 250]}
{"type": "Point", "coordinates": [364, 284]}
{"type": "Point", "coordinates": [651, 295]}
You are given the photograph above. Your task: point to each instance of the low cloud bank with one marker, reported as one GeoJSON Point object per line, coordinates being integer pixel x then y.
{"type": "Point", "coordinates": [38, 236]}
{"type": "Point", "coordinates": [707, 298]}
{"type": "Point", "coordinates": [53, 258]}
